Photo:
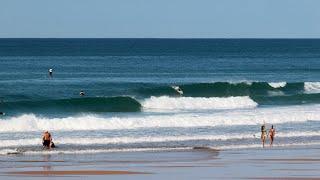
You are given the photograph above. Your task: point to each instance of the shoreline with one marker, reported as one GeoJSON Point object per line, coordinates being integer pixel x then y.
{"type": "Point", "coordinates": [198, 163]}
{"type": "Point", "coordinates": [75, 172]}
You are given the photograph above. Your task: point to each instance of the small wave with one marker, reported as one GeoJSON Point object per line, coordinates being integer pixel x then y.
{"type": "Point", "coordinates": [88, 151]}
{"type": "Point", "coordinates": [90, 104]}
{"type": "Point", "coordinates": [190, 103]}
{"type": "Point", "coordinates": [274, 115]}
{"type": "Point", "coordinates": [277, 84]}
{"type": "Point", "coordinates": [296, 99]}
{"type": "Point", "coordinates": [224, 89]}
{"type": "Point", "coordinates": [159, 149]}
{"type": "Point", "coordinates": [9, 151]}
{"type": "Point", "coordinates": [312, 87]}
{"type": "Point", "coordinates": [148, 139]}
{"type": "Point", "coordinates": [255, 146]}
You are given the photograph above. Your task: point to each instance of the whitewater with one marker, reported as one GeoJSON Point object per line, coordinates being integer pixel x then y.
{"type": "Point", "coordinates": [230, 88]}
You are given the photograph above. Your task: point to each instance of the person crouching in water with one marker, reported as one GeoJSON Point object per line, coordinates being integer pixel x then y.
{"type": "Point", "coordinates": [263, 135]}
{"type": "Point", "coordinates": [272, 133]}
{"type": "Point", "coordinates": [46, 140]}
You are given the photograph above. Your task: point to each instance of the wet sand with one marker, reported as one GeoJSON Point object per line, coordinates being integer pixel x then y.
{"type": "Point", "coordinates": [292, 163]}
{"type": "Point", "coordinates": [83, 172]}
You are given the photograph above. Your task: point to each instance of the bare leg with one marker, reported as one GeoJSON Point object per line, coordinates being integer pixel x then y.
{"type": "Point", "coordinates": [263, 141]}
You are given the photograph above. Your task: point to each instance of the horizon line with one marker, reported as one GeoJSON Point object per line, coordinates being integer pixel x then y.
{"type": "Point", "coordinates": [262, 38]}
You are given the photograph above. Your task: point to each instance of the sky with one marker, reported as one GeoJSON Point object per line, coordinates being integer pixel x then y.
{"type": "Point", "coordinates": [159, 19]}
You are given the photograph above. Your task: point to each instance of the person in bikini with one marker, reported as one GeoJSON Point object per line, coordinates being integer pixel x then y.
{"type": "Point", "coordinates": [46, 140]}
{"type": "Point", "coordinates": [263, 134]}
{"type": "Point", "coordinates": [272, 133]}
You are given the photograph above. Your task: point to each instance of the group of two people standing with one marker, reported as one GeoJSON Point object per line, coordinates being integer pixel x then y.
{"type": "Point", "coordinates": [264, 134]}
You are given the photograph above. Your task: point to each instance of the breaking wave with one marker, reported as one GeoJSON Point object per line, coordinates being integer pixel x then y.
{"type": "Point", "coordinates": [274, 115]}
{"type": "Point", "coordinates": [191, 103]}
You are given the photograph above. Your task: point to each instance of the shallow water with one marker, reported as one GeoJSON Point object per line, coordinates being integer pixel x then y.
{"type": "Point", "coordinates": [230, 88]}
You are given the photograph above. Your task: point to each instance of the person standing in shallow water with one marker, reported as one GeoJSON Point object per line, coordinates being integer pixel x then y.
{"type": "Point", "coordinates": [272, 133]}
{"type": "Point", "coordinates": [263, 134]}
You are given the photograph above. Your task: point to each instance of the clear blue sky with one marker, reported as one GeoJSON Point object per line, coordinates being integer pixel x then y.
{"type": "Point", "coordinates": [160, 18]}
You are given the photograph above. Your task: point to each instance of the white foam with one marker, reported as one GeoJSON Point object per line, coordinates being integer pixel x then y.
{"type": "Point", "coordinates": [190, 103]}
{"type": "Point", "coordinates": [241, 81]}
{"type": "Point", "coordinates": [8, 151]}
{"type": "Point", "coordinates": [312, 87]}
{"type": "Point", "coordinates": [277, 84]}
{"type": "Point", "coordinates": [255, 146]}
{"type": "Point", "coordinates": [96, 151]}
{"type": "Point", "coordinates": [274, 115]}
{"type": "Point", "coordinates": [148, 139]}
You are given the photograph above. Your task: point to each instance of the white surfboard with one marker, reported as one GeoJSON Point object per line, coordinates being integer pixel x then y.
{"type": "Point", "coordinates": [178, 89]}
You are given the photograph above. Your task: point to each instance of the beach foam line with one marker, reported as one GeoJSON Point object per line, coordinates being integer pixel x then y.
{"type": "Point", "coordinates": [75, 172]}
{"type": "Point", "coordinates": [161, 149]}
{"type": "Point", "coordinates": [191, 103]}
{"type": "Point", "coordinates": [97, 151]}
{"type": "Point", "coordinates": [255, 146]}
{"type": "Point", "coordinates": [149, 139]}
{"type": "Point", "coordinates": [272, 115]}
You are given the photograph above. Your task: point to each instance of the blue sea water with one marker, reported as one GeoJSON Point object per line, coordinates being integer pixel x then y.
{"type": "Point", "coordinates": [230, 87]}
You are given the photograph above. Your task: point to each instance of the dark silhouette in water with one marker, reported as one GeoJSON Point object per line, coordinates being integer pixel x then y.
{"type": "Point", "coordinates": [50, 72]}
{"type": "Point", "coordinates": [81, 93]}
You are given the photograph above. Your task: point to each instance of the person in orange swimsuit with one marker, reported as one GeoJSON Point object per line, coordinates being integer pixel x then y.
{"type": "Point", "coordinates": [272, 133]}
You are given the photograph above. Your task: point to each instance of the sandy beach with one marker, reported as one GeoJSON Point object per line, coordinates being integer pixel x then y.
{"type": "Point", "coordinates": [276, 163]}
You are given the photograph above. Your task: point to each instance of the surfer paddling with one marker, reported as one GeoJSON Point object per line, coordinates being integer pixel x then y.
{"type": "Point", "coordinates": [81, 93]}
{"type": "Point", "coordinates": [47, 140]}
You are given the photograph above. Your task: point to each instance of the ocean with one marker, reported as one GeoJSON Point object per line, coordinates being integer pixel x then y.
{"type": "Point", "coordinates": [230, 88]}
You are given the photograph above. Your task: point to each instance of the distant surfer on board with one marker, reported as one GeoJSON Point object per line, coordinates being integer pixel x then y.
{"type": "Point", "coordinates": [178, 89]}
{"type": "Point", "coordinates": [50, 72]}
{"type": "Point", "coordinates": [81, 93]}
{"type": "Point", "coordinates": [2, 113]}
{"type": "Point", "coordinates": [47, 140]}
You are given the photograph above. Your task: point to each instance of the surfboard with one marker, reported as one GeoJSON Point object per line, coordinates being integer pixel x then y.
{"type": "Point", "coordinates": [178, 89]}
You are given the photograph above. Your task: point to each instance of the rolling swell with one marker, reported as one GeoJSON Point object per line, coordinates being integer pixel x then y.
{"type": "Point", "coordinates": [223, 89]}
{"type": "Point", "coordinates": [90, 104]}
{"type": "Point", "coordinates": [296, 99]}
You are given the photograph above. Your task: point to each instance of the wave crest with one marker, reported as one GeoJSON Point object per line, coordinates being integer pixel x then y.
{"type": "Point", "coordinates": [275, 115]}
{"type": "Point", "coordinates": [191, 103]}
